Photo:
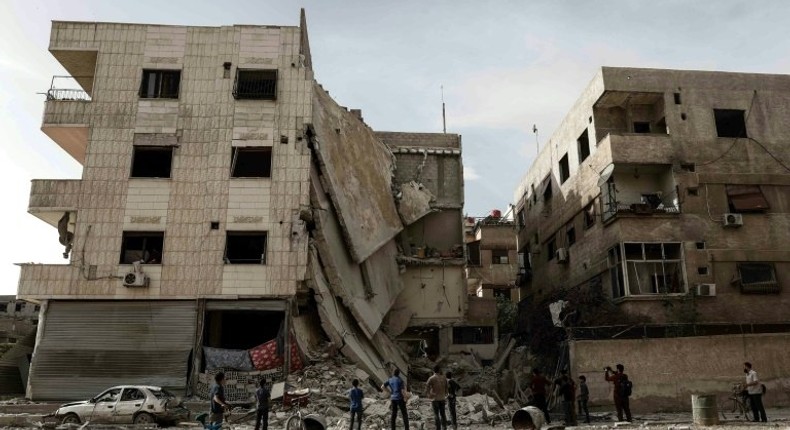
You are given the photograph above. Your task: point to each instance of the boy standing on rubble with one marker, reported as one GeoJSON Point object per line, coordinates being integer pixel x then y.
{"type": "Point", "coordinates": [355, 397]}
{"type": "Point", "coordinates": [453, 389]}
{"type": "Point", "coordinates": [217, 396]}
{"type": "Point", "coordinates": [584, 397]}
{"type": "Point", "coordinates": [436, 390]}
{"type": "Point", "coordinates": [264, 396]}
{"type": "Point", "coordinates": [397, 391]}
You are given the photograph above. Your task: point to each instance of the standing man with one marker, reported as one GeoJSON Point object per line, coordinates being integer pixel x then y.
{"type": "Point", "coordinates": [584, 397]}
{"type": "Point", "coordinates": [436, 390]}
{"type": "Point", "coordinates": [217, 396]}
{"type": "Point", "coordinates": [538, 387]}
{"type": "Point", "coordinates": [566, 388]}
{"type": "Point", "coordinates": [620, 397]}
{"type": "Point", "coordinates": [263, 395]}
{"type": "Point", "coordinates": [355, 395]}
{"type": "Point", "coordinates": [453, 389]}
{"type": "Point", "coordinates": [755, 389]}
{"type": "Point", "coordinates": [397, 391]}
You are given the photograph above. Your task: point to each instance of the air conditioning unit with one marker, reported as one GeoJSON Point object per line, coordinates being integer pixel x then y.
{"type": "Point", "coordinates": [733, 220]}
{"type": "Point", "coordinates": [562, 255]}
{"type": "Point", "coordinates": [136, 278]}
{"type": "Point", "coordinates": [706, 290]}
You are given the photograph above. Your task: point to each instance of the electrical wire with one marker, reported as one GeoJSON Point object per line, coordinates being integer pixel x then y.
{"type": "Point", "coordinates": [781, 163]}
{"type": "Point", "coordinates": [735, 139]}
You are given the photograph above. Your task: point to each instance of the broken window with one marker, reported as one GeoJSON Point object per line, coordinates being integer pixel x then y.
{"type": "Point", "coordinates": [499, 256]}
{"type": "Point", "coordinates": [152, 161]}
{"type": "Point", "coordinates": [730, 122]}
{"type": "Point", "coordinates": [654, 268]}
{"type": "Point", "coordinates": [589, 215]}
{"type": "Point", "coordinates": [160, 84]}
{"type": "Point", "coordinates": [746, 198]}
{"type": "Point", "coordinates": [473, 335]}
{"type": "Point", "coordinates": [473, 250]}
{"type": "Point", "coordinates": [583, 146]}
{"type": "Point", "coordinates": [615, 260]}
{"type": "Point", "coordinates": [551, 248]}
{"type": "Point", "coordinates": [255, 84]}
{"type": "Point", "coordinates": [641, 127]}
{"type": "Point", "coordinates": [245, 247]}
{"type": "Point", "coordinates": [522, 218]}
{"type": "Point", "coordinates": [565, 170]}
{"type": "Point", "coordinates": [546, 186]}
{"type": "Point", "coordinates": [142, 246]}
{"type": "Point", "coordinates": [230, 329]}
{"type": "Point", "coordinates": [251, 162]}
{"type": "Point", "coordinates": [757, 278]}
{"type": "Point", "coordinates": [570, 235]}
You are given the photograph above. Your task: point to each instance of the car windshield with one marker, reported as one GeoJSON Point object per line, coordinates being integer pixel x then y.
{"type": "Point", "coordinates": [162, 394]}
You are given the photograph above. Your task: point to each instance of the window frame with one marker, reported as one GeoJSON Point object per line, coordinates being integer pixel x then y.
{"type": "Point", "coordinates": [771, 286]}
{"type": "Point", "coordinates": [272, 96]}
{"type": "Point", "coordinates": [581, 142]}
{"type": "Point", "coordinates": [158, 82]}
{"type": "Point", "coordinates": [497, 260]}
{"type": "Point", "coordinates": [146, 235]}
{"type": "Point", "coordinates": [564, 168]}
{"type": "Point", "coordinates": [234, 157]}
{"type": "Point", "coordinates": [551, 247]}
{"type": "Point", "coordinates": [246, 233]}
{"type": "Point", "coordinates": [740, 192]}
{"type": "Point", "coordinates": [626, 257]}
{"type": "Point", "coordinates": [151, 148]}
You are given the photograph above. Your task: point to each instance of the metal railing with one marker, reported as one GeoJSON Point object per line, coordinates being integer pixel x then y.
{"type": "Point", "coordinates": [64, 88]}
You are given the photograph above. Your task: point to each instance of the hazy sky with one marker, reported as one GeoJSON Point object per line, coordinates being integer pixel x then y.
{"type": "Point", "coordinates": [504, 65]}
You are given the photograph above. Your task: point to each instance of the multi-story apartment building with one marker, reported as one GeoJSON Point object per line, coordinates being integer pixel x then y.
{"type": "Point", "coordinates": [224, 195]}
{"type": "Point", "coordinates": [669, 193]}
{"type": "Point", "coordinates": [492, 266]}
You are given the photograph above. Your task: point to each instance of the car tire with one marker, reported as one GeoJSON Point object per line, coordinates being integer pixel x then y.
{"type": "Point", "coordinates": [71, 418]}
{"type": "Point", "coordinates": [144, 418]}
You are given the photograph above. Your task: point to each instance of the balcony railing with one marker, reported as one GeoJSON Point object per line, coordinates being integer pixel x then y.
{"type": "Point", "coordinates": [65, 88]}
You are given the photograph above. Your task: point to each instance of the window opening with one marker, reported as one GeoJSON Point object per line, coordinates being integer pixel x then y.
{"type": "Point", "coordinates": [746, 198]}
{"type": "Point", "coordinates": [141, 246]}
{"type": "Point", "coordinates": [256, 84]}
{"type": "Point", "coordinates": [551, 248]}
{"type": "Point", "coordinates": [583, 144]}
{"type": "Point", "coordinates": [758, 278]}
{"type": "Point", "coordinates": [130, 394]}
{"type": "Point", "coordinates": [565, 171]}
{"type": "Point", "coordinates": [522, 218]}
{"type": "Point", "coordinates": [245, 247]}
{"type": "Point", "coordinates": [251, 162]}
{"type": "Point", "coordinates": [547, 191]}
{"type": "Point", "coordinates": [152, 161]}
{"type": "Point", "coordinates": [473, 335]}
{"type": "Point", "coordinates": [700, 245]}
{"type": "Point", "coordinates": [589, 215]}
{"type": "Point", "coordinates": [160, 84]}
{"type": "Point", "coordinates": [499, 256]}
{"type": "Point", "coordinates": [641, 127]}
{"type": "Point", "coordinates": [654, 268]}
{"type": "Point", "coordinates": [730, 122]}
{"type": "Point", "coordinates": [230, 329]}
{"type": "Point", "coordinates": [677, 98]}
{"type": "Point", "coordinates": [473, 250]}
{"type": "Point", "coordinates": [702, 270]}
{"type": "Point", "coordinates": [616, 272]}
{"type": "Point", "coordinates": [502, 293]}
{"type": "Point", "coordinates": [18, 307]}
{"type": "Point", "coordinates": [570, 235]}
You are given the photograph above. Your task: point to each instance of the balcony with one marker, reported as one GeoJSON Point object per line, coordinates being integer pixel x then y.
{"type": "Point", "coordinates": [66, 115]}
{"type": "Point", "coordinates": [638, 190]}
{"type": "Point", "coordinates": [50, 199]}
{"type": "Point", "coordinates": [623, 112]}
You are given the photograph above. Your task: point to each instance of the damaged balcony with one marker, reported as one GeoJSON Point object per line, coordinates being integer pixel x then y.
{"type": "Point", "coordinates": [635, 190]}
{"type": "Point", "coordinates": [433, 240]}
{"type": "Point", "coordinates": [625, 112]}
{"type": "Point", "coordinates": [66, 114]}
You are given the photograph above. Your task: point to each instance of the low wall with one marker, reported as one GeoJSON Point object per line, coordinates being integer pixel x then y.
{"type": "Point", "coordinates": [665, 372]}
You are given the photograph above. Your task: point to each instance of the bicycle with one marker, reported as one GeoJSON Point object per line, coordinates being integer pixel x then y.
{"type": "Point", "coordinates": [737, 403]}
{"type": "Point", "coordinates": [228, 420]}
{"type": "Point", "coordinates": [298, 399]}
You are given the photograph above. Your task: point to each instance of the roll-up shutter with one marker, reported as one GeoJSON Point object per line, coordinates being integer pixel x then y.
{"type": "Point", "coordinates": [88, 346]}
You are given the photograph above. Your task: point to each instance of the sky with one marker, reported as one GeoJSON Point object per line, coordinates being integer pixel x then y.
{"type": "Point", "coordinates": [504, 67]}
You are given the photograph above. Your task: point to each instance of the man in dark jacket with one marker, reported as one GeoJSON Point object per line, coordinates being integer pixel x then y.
{"type": "Point", "coordinates": [453, 390]}
{"type": "Point", "coordinates": [620, 398]}
{"type": "Point", "coordinates": [538, 387]}
{"type": "Point", "coordinates": [264, 396]}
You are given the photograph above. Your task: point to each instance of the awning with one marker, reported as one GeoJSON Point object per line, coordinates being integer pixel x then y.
{"type": "Point", "coordinates": [746, 198]}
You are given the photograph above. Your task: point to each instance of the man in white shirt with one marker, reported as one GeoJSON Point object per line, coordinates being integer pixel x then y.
{"type": "Point", "coordinates": [755, 390]}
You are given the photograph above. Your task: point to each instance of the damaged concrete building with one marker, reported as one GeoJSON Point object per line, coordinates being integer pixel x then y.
{"type": "Point", "coordinates": [230, 215]}
{"type": "Point", "coordinates": [492, 267]}
{"type": "Point", "coordinates": [667, 193]}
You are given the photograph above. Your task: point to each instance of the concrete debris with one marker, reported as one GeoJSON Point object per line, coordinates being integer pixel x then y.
{"type": "Point", "coordinates": [414, 202]}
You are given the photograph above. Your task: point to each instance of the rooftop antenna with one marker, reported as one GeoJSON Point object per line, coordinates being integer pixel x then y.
{"type": "Point", "coordinates": [444, 118]}
{"type": "Point", "coordinates": [537, 144]}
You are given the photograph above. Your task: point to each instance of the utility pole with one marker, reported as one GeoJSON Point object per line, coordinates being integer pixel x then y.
{"type": "Point", "coordinates": [444, 118]}
{"type": "Point", "coordinates": [537, 143]}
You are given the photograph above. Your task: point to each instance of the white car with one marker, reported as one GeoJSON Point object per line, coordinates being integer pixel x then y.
{"type": "Point", "coordinates": [125, 404]}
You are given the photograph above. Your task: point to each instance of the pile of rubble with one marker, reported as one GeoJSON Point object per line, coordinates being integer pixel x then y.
{"type": "Point", "coordinates": [330, 379]}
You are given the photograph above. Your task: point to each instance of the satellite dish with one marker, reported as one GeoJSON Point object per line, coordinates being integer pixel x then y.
{"type": "Point", "coordinates": [606, 173]}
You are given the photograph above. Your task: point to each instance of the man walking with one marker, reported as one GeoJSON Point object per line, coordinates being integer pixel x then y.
{"type": "Point", "coordinates": [584, 397]}
{"type": "Point", "coordinates": [538, 387]}
{"type": "Point", "coordinates": [755, 390]}
{"type": "Point", "coordinates": [217, 396]}
{"type": "Point", "coordinates": [436, 390]}
{"type": "Point", "coordinates": [453, 389]}
{"type": "Point", "coordinates": [264, 396]}
{"type": "Point", "coordinates": [355, 397]}
{"type": "Point", "coordinates": [397, 391]}
{"type": "Point", "coordinates": [619, 379]}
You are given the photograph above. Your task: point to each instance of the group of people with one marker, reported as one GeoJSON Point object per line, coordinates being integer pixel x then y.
{"type": "Point", "coordinates": [442, 390]}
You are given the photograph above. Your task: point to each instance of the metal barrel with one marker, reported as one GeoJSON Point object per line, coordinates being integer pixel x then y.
{"type": "Point", "coordinates": [704, 409]}
{"type": "Point", "coordinates": [527, 418]}
{"type": "Point", "coordinates": [314, 422]}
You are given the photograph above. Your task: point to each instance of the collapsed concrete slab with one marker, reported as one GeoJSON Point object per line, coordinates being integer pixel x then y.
{"type": "Point", "coordinates": [414, 202]}
{"type": "Point", "coordinates": [358, 168]}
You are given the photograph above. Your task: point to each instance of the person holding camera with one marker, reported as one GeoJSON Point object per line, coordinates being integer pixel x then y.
{"type": "Point", "coordinates": [621, 390]}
